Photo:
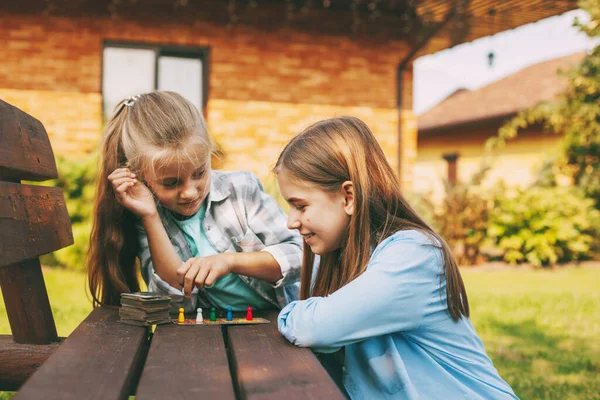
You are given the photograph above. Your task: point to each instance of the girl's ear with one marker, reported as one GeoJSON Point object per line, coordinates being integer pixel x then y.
{"type": "Point", "coordinates": [348, 194]}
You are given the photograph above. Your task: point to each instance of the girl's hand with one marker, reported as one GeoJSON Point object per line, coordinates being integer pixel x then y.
{"type": "Point", "coordinates": [202, 271]}
{"type": "Point", "coordinates": [132, 194]}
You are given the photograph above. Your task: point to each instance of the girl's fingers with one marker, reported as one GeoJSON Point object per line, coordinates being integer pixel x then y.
{"type": "Point", "coordinates": [117, 173]}
{"type": "Point", "coordinates": [188, 281]}
{"type": "Point", "coordinates": [123, 187]}
{"type": "Point", "coordinates": [119, 181]}
{"type": "Point", "coordinates": [121, 173]}
{"type": "Point", "coordinates": [123, 169]}
{"type": "Point", "coordinates": [182, 270]}
{"type": "Point", "coordinates": [201, 278]}
{"type": "Point", "coordinates": [211, 278]}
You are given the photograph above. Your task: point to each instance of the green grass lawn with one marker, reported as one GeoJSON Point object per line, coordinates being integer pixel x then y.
{"type": "Point", "coordinates": [540, 328]}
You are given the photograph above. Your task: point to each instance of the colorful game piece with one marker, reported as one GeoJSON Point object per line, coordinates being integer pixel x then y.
{"type": "Point", "coordinates": [229, 314]}
{"type": "Point", "coordinates": [181, 317]}
{"type": "Point", "coordinates": [249, 314]}
{"type": "Point", "coordinates": [199, 319]}
{"type": "Point", "coordinates": [213, 314]}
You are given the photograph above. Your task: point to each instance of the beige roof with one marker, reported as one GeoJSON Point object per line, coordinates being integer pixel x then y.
{"type": "Point", "coordinates": [503, 98]}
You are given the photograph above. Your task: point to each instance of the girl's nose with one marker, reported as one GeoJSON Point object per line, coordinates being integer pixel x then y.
{"type": "Point", "coordinates": [188, 192]}
{"type": "Point", "coordinates": [293, 222]}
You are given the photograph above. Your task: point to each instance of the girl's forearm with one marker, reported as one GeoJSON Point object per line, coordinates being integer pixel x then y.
{"type": "Point", "coordinates": [164, 257]}
{"type": "Point", "coordinates": [259, 264]}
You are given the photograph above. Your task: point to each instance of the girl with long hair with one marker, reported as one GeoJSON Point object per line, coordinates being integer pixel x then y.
{"type": "Point", "coordinates": [385, 293]}
{"type": "Point", "coordinates": [216, 236]}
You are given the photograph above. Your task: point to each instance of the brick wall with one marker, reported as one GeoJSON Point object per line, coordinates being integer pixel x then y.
{"type": "Point", "coordinates": [253, 133]}
{"type": "Point", "coordinates": [73, 120]}
{"type": "Point", "coordinates": [264, 85]}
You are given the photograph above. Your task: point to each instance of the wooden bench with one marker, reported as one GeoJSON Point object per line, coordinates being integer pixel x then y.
{"type": "Point", "coordinates": [102, 358]}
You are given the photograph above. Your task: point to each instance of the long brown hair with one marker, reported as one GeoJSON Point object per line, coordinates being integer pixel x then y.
{"type": "Point", "coordinates": [142, 132]}
{"type": "Point", "coordinates": [336, 150]}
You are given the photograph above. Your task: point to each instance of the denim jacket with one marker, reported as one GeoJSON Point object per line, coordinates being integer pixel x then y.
{"type": "Point", "coordinates": [240, 217]}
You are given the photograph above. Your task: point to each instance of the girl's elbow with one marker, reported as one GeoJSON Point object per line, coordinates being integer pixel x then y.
{"type": "Point", "coordinates": [314, 338]}
{"type": "Point", "coordinates": [303, 338]}
{"type": "Point", "coordinates": [297, 336]}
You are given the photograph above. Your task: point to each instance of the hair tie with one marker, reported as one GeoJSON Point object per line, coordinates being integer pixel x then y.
{"type": "Point", "coordinates": [131, 100]}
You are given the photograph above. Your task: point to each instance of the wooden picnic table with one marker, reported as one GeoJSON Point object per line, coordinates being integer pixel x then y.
{"type": "Point", "coordinates": [106, 359]}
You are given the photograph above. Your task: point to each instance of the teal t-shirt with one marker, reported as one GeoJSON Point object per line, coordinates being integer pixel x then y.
{"type": "Point", "coordinates": [228, 290]}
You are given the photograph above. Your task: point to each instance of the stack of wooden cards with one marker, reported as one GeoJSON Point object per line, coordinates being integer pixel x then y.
{"type": "Point", "coordinates": [144, 308]}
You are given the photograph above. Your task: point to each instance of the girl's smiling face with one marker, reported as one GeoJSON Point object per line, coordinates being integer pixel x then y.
{"type": "Point", "coordinates": [321, 217]}
{"type": "Point", "coordinates": [181, 186]}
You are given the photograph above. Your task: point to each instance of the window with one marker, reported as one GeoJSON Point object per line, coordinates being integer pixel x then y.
{"type": "Point", "coordinates": [451, 159]}
{"type": "Point", "coordinates": [129, 69]}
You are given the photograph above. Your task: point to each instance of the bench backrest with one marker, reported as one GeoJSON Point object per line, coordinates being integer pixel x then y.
{"type": "Point", "coordinates": [33, 221]}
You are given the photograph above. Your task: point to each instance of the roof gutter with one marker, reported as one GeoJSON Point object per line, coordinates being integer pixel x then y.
{"type": "Point", "coordinates": [402, 66]}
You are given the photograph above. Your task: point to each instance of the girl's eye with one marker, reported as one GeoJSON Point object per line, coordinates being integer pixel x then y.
{"type": "Point", "coordinates": [300, 208]}
{"type": "Point", "coordinates": [198, 174]}
{"type": "Point", "coordinates": [170, 185]}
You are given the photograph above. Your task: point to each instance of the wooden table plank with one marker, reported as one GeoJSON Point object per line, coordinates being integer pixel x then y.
{"type": "Point", "coordinates": [99, 360]}
{"type": "Point", "coordinates": [186, 362]}
{"type": "Point", "coordinates": [267, 366]}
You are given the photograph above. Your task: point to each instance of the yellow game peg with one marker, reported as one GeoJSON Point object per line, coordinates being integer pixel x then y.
{"type": "Point", "coordinates": [181, 317]}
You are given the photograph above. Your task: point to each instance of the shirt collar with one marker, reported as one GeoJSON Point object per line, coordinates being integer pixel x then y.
{"type": "Point", "coordinates": [218, 191]}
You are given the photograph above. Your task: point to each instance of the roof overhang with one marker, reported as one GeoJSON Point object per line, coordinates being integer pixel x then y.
{"type": "Point", "coordinates": [494, 121]}
{"type": "Point", "coordinates": [375, 20]}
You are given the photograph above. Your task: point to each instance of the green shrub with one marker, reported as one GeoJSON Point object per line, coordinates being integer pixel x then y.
{"type": "Point", "coordinates": [76, 178]}
{"type": "Point", "coordinates": [462, 220]}
{"type": "Point", "coordinates": [543, 226]}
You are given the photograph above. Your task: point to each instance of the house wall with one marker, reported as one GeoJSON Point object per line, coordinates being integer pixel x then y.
{"type": "Point", "coordinates": [264, 85]}
{"type": "Point", "coordinates": [516, 164]}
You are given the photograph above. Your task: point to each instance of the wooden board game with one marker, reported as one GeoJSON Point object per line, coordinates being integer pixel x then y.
{"type": "Point", "coordinates": [223, 321]}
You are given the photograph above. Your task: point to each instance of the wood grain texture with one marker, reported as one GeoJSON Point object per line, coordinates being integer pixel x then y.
{"type": "Point", "coordinates": [101, 359]}
{"type": "Point", "coordinates": [27, 305]}
{"type": "Point", "coordinates": [33, 221]}
{"type": "Point", "coordinates": [266, 366]}
{"type": "Point", "coordinates": [186, 362]}
{"type": "Point", "coordinates": [25, 151]}
{"type": "Point", "coordinates": [19, 361]}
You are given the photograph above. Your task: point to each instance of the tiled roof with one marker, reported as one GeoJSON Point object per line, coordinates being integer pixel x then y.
{"type": "Point", "coordinates": [505, 97]}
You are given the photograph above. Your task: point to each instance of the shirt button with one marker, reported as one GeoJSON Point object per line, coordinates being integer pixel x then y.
{"type": "Point", "coordinates": [208, 228]}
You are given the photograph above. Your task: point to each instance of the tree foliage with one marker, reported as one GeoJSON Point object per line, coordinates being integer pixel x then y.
{"type": "Point", "coordinates": [575, 114]}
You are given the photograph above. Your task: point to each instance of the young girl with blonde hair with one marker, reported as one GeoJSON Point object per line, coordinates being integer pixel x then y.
{"type": "Point", "coordinates": [387, 291]}
{"type": "Point", "coordinates": [215, 235]}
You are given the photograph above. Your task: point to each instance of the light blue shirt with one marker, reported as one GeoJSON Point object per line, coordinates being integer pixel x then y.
{"type": "Point", "coordinates": [399, 338]}
{"type": "Point", "coordinates": [228, 290]}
